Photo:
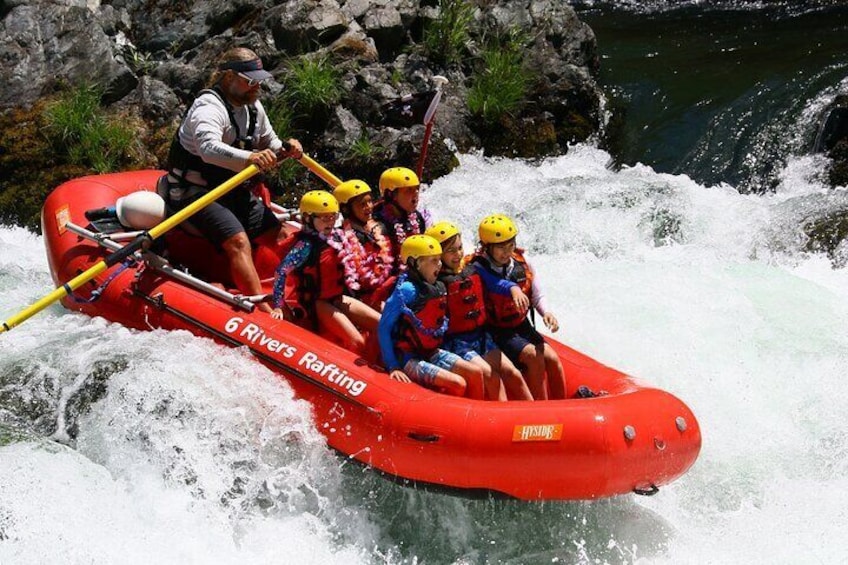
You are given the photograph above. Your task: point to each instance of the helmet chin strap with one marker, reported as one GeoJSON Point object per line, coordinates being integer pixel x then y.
{"type": "Point", "coordinates": [308, 221]}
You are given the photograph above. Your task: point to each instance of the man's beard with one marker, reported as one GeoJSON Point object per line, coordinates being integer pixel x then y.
{"type": "Point", "coordinates": [242, 98]}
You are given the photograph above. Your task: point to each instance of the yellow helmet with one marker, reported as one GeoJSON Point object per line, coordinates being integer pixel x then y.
{"type": "Point", "coordinates": [496, 228]}
{"type": "Point", "coordinates": [417, 246]}
{"type": "Point", "coordinates": [349, 189]}
{"type": "Point", "coordinates": [397, 177]}
{"type": "Point", "coordinates": [442, 231]}
{"type": "Point", "coordinates": [318, 202]}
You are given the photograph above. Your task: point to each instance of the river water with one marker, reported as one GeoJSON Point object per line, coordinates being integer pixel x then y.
{"type": "Point", "coordinates": [155, 447]}
{"type": "Point", "coordinates": [722, 91]}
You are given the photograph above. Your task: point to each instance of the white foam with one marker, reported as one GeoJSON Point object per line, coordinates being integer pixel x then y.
{"type": "Point", "coordinates": [196, 453]}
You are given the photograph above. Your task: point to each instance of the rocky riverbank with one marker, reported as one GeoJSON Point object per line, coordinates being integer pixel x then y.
{"type": "Point", "coordinates": [521, 79]}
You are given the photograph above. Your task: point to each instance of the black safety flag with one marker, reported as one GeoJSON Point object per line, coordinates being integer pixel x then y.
{"type": "Point", "coordinates": [407, 110]}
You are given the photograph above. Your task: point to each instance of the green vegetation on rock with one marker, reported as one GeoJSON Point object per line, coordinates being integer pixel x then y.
{"type": "Point", "coordinates": [446, 39]}
{"type": "Point", "coordinates": [312, 84]}
{"type": "Point", "coordinates": [500, 86]}
{"type": "Point", "coordinates": [57, 140]}
{"type": "Point", "coordinates": [78, 127]}
{"type": "Point", "coordinates": [29, 167]}
{"type": "Point", "coordinates": [363, 148]}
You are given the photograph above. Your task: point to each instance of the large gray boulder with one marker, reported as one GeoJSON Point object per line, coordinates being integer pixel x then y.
{"type": "Point", "coordinates": [300, 27]}
{"type": "Point", "coordinates": [166, 28]}
{"type": "Point", "coordinates": [44, 44]}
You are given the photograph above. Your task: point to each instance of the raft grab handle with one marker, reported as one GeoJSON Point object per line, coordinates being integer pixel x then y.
{"type": "Point", "coordinates": [425, 438]}
{"type": "Point", "coordinates": [650, 491]}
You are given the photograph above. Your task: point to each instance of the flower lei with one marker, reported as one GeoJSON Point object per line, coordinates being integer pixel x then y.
{"type": "Point", "coordinates": [415, 227]}
{"type": "Point", "coordinates": [419, 325]}
{"type": "Point", "coordinates": [360, 267]}
{"type": "Point", "coordinates": [378, 266]}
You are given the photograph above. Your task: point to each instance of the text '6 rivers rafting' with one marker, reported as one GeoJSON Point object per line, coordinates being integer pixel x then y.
{"type": "Point", "coordinates": [255, 335]}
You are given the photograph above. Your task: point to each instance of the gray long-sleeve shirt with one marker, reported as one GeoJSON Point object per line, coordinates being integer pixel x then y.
{"type": "Point", "coordinates": [207, 132]}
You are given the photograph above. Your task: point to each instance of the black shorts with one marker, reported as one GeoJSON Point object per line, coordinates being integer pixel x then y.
{"type": "Point", "coordinates": [512, 341]}
{"type": "Point", "coordinates": [218, 223]}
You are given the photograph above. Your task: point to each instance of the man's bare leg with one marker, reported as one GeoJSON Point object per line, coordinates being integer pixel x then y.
{"type": "Point", "coordinates": [242, 270]}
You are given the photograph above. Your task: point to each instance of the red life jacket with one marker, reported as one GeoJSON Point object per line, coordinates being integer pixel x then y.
{"type": "Point", "coordinates": [465, 300]}
{"type": "Point", "coordinates": [500, 309]}
{"type": "Point", "coordinates": [419, 332]}
{"type": "Point", "coordinates": [381, 293]}
{"type": "Point", "coordinates": [320, 277]}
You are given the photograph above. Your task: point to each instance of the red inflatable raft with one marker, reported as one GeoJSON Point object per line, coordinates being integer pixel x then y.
{"type": "Point", "coordinates": [636, 438]}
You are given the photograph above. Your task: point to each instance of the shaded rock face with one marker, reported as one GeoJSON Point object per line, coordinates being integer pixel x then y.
{"type": "Point", "coordinates": [165, 27]}
{"type": "Point", "coordinates": [562, 59]}
{"type": "Point", "coordinates": [153, 56]}
{"type": "Point", "coordinates": [553, 24]}
{"type": "Point", "coordinates": [834, 126]}
{"type": "Point", "coordinates": [44, 43]}
{"type": "Point", "coordinates": [300, 28]}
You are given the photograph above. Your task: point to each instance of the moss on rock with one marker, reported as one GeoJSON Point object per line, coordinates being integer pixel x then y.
{"type": "Point", "coordinates": [518, 137]}
{"type": "Point", "coordinates": [35, 159]}
{"type": "Point", "coordinates": [29, 167]}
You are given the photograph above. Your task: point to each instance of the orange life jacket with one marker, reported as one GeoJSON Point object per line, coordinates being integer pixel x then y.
{"type": "Point", "coordinates": [500, 309]}
{"type": "Point", "coordinates": [465, 300]}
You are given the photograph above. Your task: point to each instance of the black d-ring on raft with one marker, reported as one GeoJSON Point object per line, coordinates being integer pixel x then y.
{"type": "Point", "coordinates": [650, 491]}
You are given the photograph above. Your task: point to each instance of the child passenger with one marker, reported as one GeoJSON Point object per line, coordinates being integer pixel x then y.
{"type": "Point", "coordinates": [498, 258]}
{"type": "Point", "coordinates": [466, 314]}
{"type": "Point", "coordinates": [398, 210]}
{"type": "Point", "coordinates": [414, 322]}
{"type": "Point", "coordinates": [365, 251]}
{"type": "Point", "coordinates": [309, 281]}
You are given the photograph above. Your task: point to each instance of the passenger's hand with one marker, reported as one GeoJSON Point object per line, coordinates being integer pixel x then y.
{"type": "Point", "coordinates": [277, 313]}
{"type": "Point", "coordinates": [294, 150]}
{"type": "Point", "coordinates": [263, 307]}
{"type": "Point", "coordinates": [551, 322]}
{"type": "Point", "coordinates": [522, 303]}
{"type": "Point", "coordinates": [265, 159]}
{"type": "Point", "coordinates": [400, 376]}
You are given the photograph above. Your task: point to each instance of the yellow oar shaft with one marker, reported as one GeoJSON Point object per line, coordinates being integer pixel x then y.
{"type": "Point", "coordinates": [129, 249]}
{"type": "Point", "coordinates": [202, 202]}
{"type": "Point", "coordinates": [323, 173]}
{"type": "Point", "coordinates": [57, 294]}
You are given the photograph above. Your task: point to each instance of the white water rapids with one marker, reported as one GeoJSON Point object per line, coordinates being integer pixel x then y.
{"type": "Point", "coordinates": [182, 451]}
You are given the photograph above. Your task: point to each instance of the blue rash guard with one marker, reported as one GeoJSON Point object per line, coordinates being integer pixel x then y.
{"type": "Point", "coordinates": [492, 282]}
{"type": "Point", "coordinates": [403, 294]}
{"type": "Point", "coordinates": [295, 258]}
